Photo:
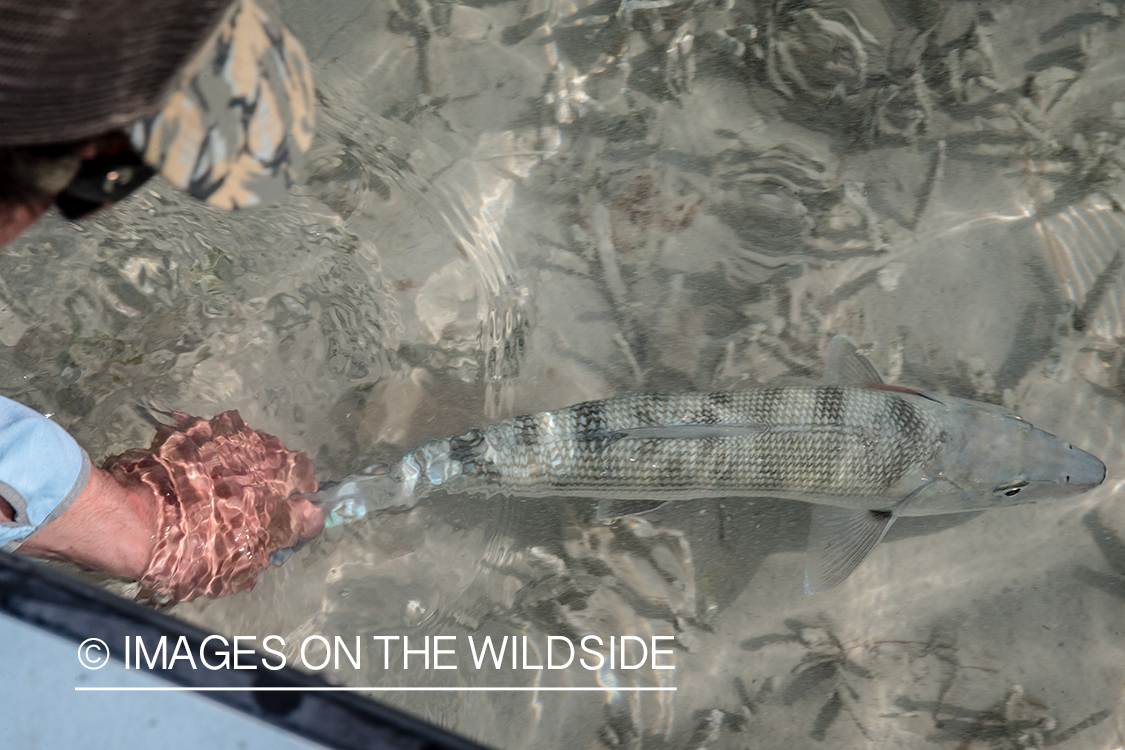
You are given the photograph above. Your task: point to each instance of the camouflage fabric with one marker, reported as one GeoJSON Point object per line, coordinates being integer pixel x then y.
{"type": "Point", "coordinates": [241, 116]}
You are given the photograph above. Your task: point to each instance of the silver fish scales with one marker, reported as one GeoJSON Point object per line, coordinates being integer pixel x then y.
{"type": "Point", "coordinates": [861, 452]}
{"type": "Point", "coordinates": [826, 441]}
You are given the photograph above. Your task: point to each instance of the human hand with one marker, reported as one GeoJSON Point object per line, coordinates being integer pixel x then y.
{"type": "Point", "coordinates": [197, 514]}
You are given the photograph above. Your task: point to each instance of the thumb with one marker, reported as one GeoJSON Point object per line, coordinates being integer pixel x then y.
{"type": "Point", "coordinates": [292, 520]}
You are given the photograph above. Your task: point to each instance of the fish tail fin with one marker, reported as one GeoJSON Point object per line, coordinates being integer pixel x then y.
{"type": "Point", "coordinates": [379, 487]}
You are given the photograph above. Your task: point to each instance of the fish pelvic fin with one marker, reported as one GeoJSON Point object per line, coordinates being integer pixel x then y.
{"type": "Point", "coordinates": [839, 540]}
{"type": "Point", "coordinates": [844, 365]}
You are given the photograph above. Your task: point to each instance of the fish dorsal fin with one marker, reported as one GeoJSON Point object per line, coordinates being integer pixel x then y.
{"type": "Point", "coordinates": [839, 540]}
{"type": "Point", "coordinates": [689, 431]}
{"type": "Point", "coordinates": [846, 366]}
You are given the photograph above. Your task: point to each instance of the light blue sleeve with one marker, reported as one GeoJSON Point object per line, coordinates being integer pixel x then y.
{"type": "Point", "coordinates": [42, 471]}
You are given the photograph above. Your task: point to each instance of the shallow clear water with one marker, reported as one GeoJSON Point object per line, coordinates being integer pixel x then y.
{"type": "Point", "coordinates": [514, 206]}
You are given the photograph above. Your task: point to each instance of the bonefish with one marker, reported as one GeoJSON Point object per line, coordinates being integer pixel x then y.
{"type": "Point", "coordinates": [861, 452]}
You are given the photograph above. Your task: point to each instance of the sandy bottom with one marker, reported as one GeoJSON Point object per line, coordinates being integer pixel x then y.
{"type": "Point", "coordinates": [522, 205]}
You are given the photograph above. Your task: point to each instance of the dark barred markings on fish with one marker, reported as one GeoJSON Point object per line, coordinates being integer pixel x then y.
{"type": "Point", "coordinates": [860, 451]}
{"type": "Point", "coordinates": [822, 440]}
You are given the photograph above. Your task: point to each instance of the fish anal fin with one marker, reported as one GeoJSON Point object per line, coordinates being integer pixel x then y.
{"type": "Point", "coordinates": [839, 540]}
{"type": "Point", "coordinates": [844, 365]}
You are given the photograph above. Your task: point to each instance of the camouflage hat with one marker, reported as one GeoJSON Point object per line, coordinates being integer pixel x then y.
{"type": "Point", "coordinates": [240, 116]}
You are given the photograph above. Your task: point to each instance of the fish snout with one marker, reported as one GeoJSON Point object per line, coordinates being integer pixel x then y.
{"type": "Point", "coordinates": [1081, 470]}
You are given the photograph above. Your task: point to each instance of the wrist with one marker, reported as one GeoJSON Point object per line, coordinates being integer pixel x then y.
{"type": "Point", "coordinates": [110, 528]}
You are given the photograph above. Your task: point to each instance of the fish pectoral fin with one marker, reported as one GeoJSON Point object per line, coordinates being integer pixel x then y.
{"type": "Point", "coordinates": [689, 431]}
{"type": "Point", "coordinates": [844, 365]}
{"type": "Point", "coordinates": [611, 509]}
{"type": "Point", "coordinates": [839, 540]}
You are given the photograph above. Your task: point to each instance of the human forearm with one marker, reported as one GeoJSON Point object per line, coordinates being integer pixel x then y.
{"type": "Point", "coordinates": [110, 528]}
{"type": "Point", "coordinates": [197, 514]}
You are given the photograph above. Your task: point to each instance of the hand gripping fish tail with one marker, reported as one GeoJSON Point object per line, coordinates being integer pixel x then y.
{"type": "Point", "coordinates": [860, 451]}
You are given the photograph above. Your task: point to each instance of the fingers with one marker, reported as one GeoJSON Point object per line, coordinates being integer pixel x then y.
{"type": "Point", "coordinates": [227, 500]}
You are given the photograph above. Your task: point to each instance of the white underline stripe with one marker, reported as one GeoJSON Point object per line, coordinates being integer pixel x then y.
{"type": "Point", "coordinates": [379, 689]}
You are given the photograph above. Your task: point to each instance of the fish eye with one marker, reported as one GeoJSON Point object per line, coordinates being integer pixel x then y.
{"type": "Point", "coordinates": [1011, 489]}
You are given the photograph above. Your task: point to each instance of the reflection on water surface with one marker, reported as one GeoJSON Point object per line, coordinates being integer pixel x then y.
{"type": "Point", "coordinates": [514, 206]}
